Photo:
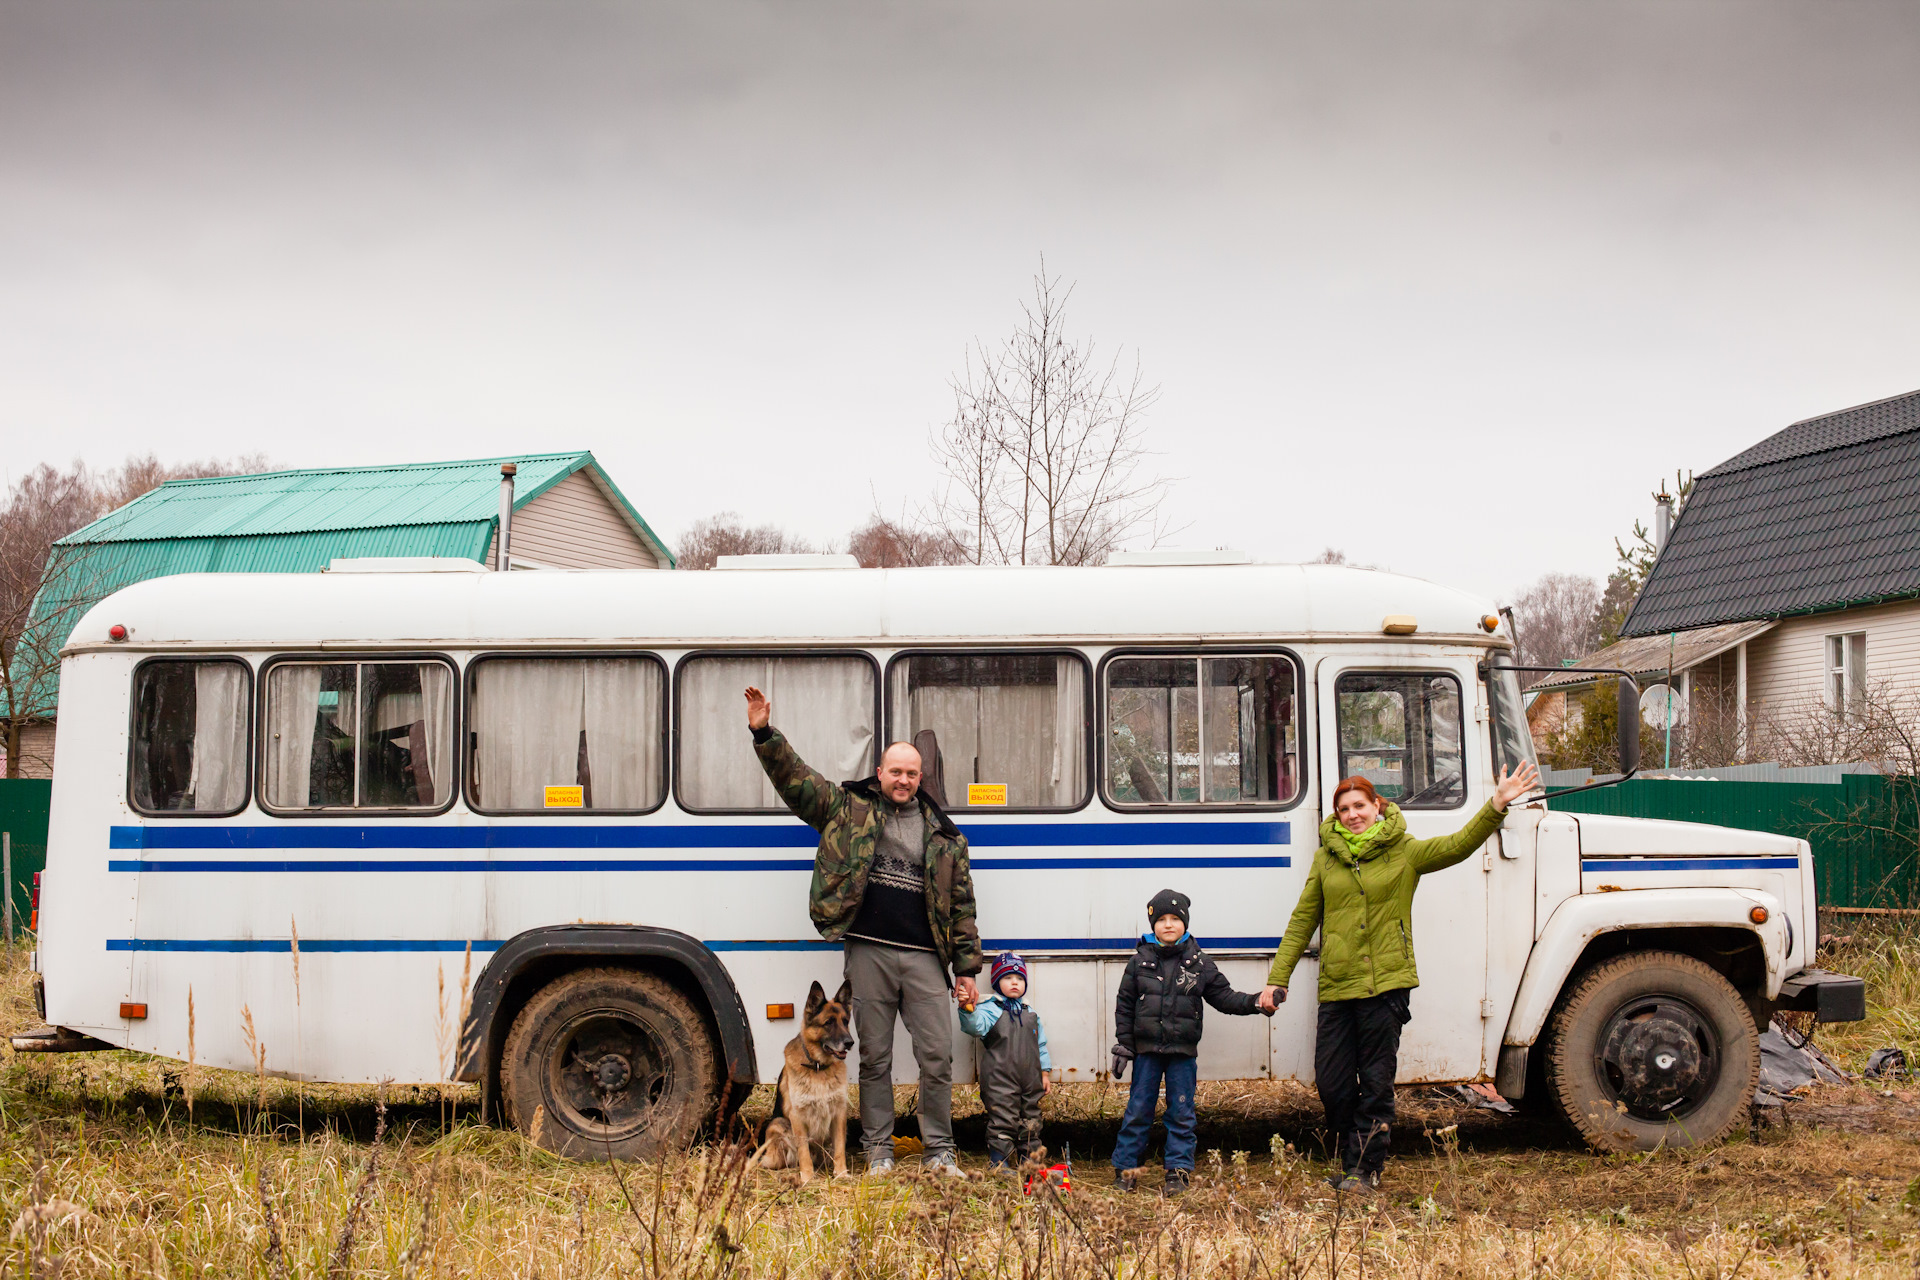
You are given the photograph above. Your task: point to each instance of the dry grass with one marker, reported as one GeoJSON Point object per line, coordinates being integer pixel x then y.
{"type": "Point", "coordinates": [100, 1165]}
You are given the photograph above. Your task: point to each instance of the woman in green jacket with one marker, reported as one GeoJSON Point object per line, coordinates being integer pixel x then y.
{"type": "Point", "coordinates": [1359, 894]}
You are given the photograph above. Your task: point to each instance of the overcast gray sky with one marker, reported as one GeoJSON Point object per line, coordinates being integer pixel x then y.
{"type": "Point", "coordinates": [1449, 286]}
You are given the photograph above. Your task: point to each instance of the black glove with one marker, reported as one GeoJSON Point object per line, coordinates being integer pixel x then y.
{"type": "Point", "coordinates": [1121, 1057]}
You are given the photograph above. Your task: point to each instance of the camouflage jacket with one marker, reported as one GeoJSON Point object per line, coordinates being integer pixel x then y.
{"type": "Point", "coordinates": [847, 816]}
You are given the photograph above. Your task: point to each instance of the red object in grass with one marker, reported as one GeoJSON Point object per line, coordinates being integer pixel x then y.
{"type": "Point", "coordinates": [1060, 1175]}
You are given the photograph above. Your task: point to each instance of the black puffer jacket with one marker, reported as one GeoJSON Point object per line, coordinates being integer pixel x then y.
{"type": "Point", "coordinates": [1158, 1009]}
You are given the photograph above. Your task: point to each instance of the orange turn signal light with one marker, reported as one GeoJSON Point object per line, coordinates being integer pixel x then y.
{"type": "Point", "coordinates": [1490, 624]}
{"type": "Point", "coordinates": [776, 1012]}
{"type": "Point", "coordinates": [1758, 915]}
{"type": "Point", "coordinates": [130, 1010]}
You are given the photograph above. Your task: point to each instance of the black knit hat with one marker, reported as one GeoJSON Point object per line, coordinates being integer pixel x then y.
{"type": "Point", "coordinates": [1170, 902]}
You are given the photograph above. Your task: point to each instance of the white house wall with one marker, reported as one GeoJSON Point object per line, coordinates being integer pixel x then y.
{"type": "Point", "coordinates": [1785, 666]}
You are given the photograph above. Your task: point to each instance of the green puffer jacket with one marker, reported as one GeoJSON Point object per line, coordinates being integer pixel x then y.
{"type": "Point", "coordinates": [847, 816]}
{"type": "Point", "coordinates": [1364, 908]}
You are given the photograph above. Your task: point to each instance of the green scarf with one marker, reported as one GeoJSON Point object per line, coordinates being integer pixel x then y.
{"type": "Point", "coordinates": [1358, 844]}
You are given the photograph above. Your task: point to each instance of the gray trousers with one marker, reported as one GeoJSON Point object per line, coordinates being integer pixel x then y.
{"type": "Point", "coordinates": [890, 983]}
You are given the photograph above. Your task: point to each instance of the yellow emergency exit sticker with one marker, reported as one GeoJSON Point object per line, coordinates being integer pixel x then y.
{"type": "Point", "coordinates": [982, 793]}
{"type": "Point", "coordinates": [566, 797]}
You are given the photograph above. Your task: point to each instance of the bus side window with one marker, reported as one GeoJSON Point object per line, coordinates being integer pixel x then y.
{"type": "Point", "coordinates": [1202, 730]}
{"type": "Point", "coordinates": [367, 735]}
{"type": "Point", "coordinates": [822, 704]}
{"type": "Point", "coordinates": [568, 734]}
{"type": "Point", "coordinates": [1403, 732]}
{"type": "Point", "coordinates": [1008, 730]}
{"type": "Point", "coordinates": [189, 744]}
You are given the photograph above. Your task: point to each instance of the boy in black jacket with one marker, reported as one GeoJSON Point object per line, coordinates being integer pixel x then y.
{"type": "Point", "coordinates": [1156, 1021]}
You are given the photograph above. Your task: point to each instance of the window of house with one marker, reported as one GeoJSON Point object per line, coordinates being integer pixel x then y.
{"type": "Point", "coordinates": [359, 735]}
{"type": "Point", "coordinates": [189, 748]}
{"type": "Point", "coordinates": [564, 734]}
{"type": "Point", "coordinates": [1202, 730]}
{"type": "Point", "coordinates": [995, 731]}
{"type": "Point", "coordinates": [1846, 672]}
{"type": "Point", "coordinates": [823, 705]}
{"type": "Point", "coordinates": [1402, 732]}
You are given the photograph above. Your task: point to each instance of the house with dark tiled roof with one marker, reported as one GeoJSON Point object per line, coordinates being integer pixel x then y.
{"type": "Point", "coordinates": [1792, 575]}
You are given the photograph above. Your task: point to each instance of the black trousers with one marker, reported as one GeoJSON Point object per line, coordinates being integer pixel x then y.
{"type": "Point", "coordinates": [1356, 1051]}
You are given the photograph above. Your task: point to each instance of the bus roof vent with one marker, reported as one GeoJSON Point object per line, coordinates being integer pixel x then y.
{"type": "Point", "coordinates": [1219, 555]}
{"type": "Point", "coordinates": [787, 560]}
{"type": "Point", "coordinates": [405, 564]}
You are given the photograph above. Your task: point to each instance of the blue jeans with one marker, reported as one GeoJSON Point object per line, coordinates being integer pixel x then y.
{"type": "Point", "coordinates": [1181, 1074]}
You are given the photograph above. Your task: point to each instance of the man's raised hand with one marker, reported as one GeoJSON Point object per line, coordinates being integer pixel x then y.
{"type": "Point", "coordinates": [758, 708]}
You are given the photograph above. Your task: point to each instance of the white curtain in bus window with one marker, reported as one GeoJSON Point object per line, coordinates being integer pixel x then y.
{"type": "Point", "coordinates": [823, 706]}
{"type": "Point", "coordinates": [309, 728]}
{"type": "Point", "coordinates": [370, 735]}
{"type": "Point", "coordinates": [1169, 744]}
{"type": "Point", "coordinates": [1403, 733]}
{"type": "Point", "coordinates": [591, 723]}
{"type": "Point", "coordinates": [190, 737]}
{"type": "Point", "coordinates": [1016, 721]}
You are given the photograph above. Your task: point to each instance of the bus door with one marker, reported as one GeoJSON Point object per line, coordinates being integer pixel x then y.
{"type": "Point", "coordinates": [1412, 732]}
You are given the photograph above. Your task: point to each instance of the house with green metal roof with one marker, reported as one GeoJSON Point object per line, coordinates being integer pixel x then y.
{"type": "Point", "coordinates": [566, 514]}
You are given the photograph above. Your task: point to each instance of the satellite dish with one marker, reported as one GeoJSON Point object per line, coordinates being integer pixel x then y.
{"type": "Point", "coordinates": [1661, 707]}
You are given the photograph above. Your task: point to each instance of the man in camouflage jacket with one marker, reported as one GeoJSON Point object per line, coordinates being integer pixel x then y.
{"type": "Point", "coordinates": [891, 881]}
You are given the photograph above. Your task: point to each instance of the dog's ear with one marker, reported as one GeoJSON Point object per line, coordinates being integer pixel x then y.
{"type": "Point", "coordinates": [815, 999]}
{"type": "Point", "coordinates": [844, 996]}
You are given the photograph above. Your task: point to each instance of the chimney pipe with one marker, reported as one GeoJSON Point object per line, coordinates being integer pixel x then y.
{"type": "Point", "coordinates": [507, 471]}
{"type": "Point", "coordinates": [1662, 519]}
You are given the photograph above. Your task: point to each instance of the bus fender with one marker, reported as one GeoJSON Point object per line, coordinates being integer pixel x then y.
{"type": "Point", "coordinates": [1579, 920]}
{"type": "Point", "coordinates": [484, 1032]}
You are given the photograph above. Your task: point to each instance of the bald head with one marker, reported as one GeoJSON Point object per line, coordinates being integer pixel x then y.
{"type": "Point", "coordinates": [899, 772]}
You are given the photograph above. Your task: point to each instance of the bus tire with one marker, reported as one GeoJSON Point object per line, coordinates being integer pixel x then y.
{"type": "Point", "coordinates": [1652, 1049]}
{"type": "Point", "coordinates": [609, 1063]}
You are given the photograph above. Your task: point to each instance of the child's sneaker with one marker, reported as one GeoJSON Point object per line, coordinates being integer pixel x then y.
{"type": "Point", "coordinates": [1177, 1182]}
{"type": "Point", "coordinates": [1370, 1180]}
{"type": "Point", "coordinates": [1345, 1181]}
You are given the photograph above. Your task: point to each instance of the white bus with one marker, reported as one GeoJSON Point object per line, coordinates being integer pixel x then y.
{"type": "Point", "coordinates": [402, 769]}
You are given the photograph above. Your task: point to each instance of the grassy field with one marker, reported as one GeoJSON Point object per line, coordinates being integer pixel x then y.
{"type": "Point", "coordinates": [119, 1165]}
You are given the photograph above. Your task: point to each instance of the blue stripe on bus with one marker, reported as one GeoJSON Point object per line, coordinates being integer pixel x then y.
{"type": "Point", "coordinates": [981, 835]}
{"type": "Point", "coordinates": [284, 946]}
{"type": "Point", "coordinates": [1687, 864]}
{"type": "Point", "coordinates": [653, 864]}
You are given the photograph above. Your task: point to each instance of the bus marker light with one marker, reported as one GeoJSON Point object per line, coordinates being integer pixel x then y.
{"type": "Point", "coordinates": [1758, 915]}
{"type": "Point", "coordinates": [778, 1012]}
{"type": "Point", "coordinates": [130, 1010]}
{"type": "Point", "coordinates": [1490, 624]}
{"type": "Point", "coordinates": [1399, 624]}
{"type": "Point", "coordinates": [116, 632]}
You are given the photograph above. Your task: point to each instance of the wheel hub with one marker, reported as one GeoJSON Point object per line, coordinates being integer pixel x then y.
{"type": "Point", "coordinates": [1658, 1054]}
{"type": "Point", "coordinates": [608, 1073]}
{"type": "Point", "coordinates": [612, 1073]}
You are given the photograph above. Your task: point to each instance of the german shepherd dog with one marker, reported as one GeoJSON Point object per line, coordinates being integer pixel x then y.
{"type": "Point", "coordinates": [810, 1104]}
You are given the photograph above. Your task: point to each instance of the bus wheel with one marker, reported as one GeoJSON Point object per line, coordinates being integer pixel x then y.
{"type": "Point", "coordinates": [1652, 1049]}
{"type": "Point", "coordinates": [609, 1064]}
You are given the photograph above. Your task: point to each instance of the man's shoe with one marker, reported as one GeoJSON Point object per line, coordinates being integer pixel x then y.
{"type": "Point", "coordinates": [1125, 1180]}
{"type": "Point", "coordinates": [1345, 1182]}
{"type": "Point", "coordinates": [880, 1167]}
{"type": "Point", "coordinates": [943, 1162]}
{"type": "Point", "coordinates": [1177, 1182]}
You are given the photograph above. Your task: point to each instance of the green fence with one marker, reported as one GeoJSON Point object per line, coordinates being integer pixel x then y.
{"type": "Point", "coordinates": [1863, 830]}
{"type": "Point", "coordinates": [23, 816]}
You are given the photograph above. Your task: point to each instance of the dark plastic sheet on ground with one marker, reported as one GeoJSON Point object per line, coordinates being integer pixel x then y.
{"type": "Point", "coordinates": [1887, 1064]}
{"type": "Point", "coordinates": [1789, 1064]}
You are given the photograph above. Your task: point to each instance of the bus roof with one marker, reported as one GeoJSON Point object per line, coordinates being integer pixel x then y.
{"type": "Point", "coordinates": [852, 605]}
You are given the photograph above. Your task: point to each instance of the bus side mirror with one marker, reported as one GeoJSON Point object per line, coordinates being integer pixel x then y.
{"type": "Point", "coordinates": [1629, 725]}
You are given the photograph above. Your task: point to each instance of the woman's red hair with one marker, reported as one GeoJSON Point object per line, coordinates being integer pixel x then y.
{"type": "Point", "coordinates": [1360, 784]}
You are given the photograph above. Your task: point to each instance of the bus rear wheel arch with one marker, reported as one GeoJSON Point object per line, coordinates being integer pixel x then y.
{"type": "Point", "coordinates": [609, 1063]}
{"type": "Point", "coordinates": [1649, 1049]}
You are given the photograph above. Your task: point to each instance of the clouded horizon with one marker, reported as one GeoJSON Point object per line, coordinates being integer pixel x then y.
{"type": "Point", "coordinates": [1448, 287]}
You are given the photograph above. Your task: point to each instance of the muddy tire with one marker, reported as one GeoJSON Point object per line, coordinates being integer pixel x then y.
{"type": "Point", "coordinates": [609, 1063]}
{"type": "Point", "coordinates": [1652, 1049]}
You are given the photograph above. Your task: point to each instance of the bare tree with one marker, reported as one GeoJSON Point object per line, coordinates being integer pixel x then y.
{"type": "Point", "coordinates": [1041, 463]}
{"type": "Point", "coordinates": [892, 544]}
{"type": "Point", "coordinates": [725, 534]}
{"type": "Point", "coordinates": [1554, 620]}
{"type": "Point", "coordinates": [1332, 555]}
{"type": "Point", "coordinates": [44, 590]}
